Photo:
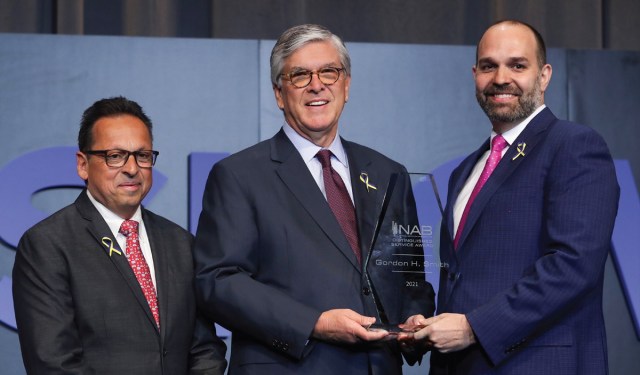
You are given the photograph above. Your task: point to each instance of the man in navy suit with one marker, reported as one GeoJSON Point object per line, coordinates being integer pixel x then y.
{"type": "Point", "coordinates": [273, 262]}
{"type": "Point", "coordinates": [522, 293]}
{"type": "Point", "coordinates": [80, 306]}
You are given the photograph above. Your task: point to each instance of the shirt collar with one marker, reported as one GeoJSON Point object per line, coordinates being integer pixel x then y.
{"type": "Point", "coordinates": [308, 149]}
{"type": "Point", "coordinates": [512, 134]}
{"type": "Point", "coordinates": [113, 220]}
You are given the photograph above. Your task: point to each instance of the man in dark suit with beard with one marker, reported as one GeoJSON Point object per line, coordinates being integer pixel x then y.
{"type": "Point", "coordinates": [532, 213]}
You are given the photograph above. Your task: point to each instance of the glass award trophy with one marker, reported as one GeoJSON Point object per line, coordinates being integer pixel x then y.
{"type": "Point", "coordinates": [404, 249]}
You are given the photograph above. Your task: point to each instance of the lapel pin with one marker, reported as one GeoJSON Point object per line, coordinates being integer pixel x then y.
{"type": "Point", "coordinates": [108, 242]}
{"type": "Point", "coordinates": [364, 177]}
{"type": "Point", "coordinates": [520, 148]}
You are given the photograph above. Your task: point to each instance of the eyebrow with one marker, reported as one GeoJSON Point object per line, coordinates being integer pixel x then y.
{"type": "Point", "coordinates": [512, 60]}
{"type": "Point", "coordinates": [518, 60]}
{"type": "Point", "coordinates": [327, 65]}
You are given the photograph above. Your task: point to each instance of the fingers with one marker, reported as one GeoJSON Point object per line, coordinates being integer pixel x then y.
{"type": "Point", "coordinates": [446, 332]}
{"type": "Point", "coordinates": [423, 334]}
{"type": "Point", "coordinates": [376, 335]}
{"type": "Point", "coordinates": [435, 319]}
{"type": "Point", "coordinates": [363, 321]}
{"type": "Point", "coordinates": [415, 320]}
{"type": "Point", "coordinates": [345, 326]}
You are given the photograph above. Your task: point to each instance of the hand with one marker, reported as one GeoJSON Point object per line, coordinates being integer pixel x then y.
{"type": "Point", "coordinates": [415, 320]}
{"type": "Point", "coordinates": [406, 338]}
{"type": "Point", "coordinates": [346, 326]}
{"type": "Point", "coordinates": [446, 332]}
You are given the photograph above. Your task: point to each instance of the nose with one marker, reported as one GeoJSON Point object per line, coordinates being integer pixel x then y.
{"type": "Point", "coordinates": [315, 85]}
{"type": "Point", "coordinates": [502, 76]}
{"type": "Point", "coordinates": [130, 167]}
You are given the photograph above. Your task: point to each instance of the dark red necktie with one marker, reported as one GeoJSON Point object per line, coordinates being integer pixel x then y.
{"type": "Point", "coordinates": [497, 145]}
{"type": "Point", "coordinates": [139, 265]}
{"type": "Point", "coordinates": [339, 201]}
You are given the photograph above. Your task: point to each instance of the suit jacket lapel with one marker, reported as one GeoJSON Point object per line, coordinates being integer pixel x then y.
{"type": "Point", "coordinates": [158, 242]}
{"type": "Point", "coordinates": [367, 199]}
{"type": "Point", "coordinates": [295, 175]}
{"type": "Point", "coordinates": [105, 240]}
{"type": "Point", "coordinates": [530, 136]}
{"type": "Point", "coordinates": [464, 171]}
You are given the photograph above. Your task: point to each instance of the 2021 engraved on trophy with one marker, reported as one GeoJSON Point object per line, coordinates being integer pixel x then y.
{"type": "Point", "coordinates": [404, 247]}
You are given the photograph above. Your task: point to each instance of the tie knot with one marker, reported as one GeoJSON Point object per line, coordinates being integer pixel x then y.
{"type": "Point", "coordinates": [129, 227]}
{"type": "Point", "coordinates": [325, 158]}
{"type": "Point", "coordinates": [498, 143]}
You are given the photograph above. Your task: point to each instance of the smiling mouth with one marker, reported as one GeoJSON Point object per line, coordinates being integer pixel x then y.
{"type": "Point", "coordinates": [502, 92]}
{"type": "Point", "coordinates": [317, 103]}
{"type": "Point", "coordinates": [130, 185]}
{"type": "Point", "coordinates": [503, 96]}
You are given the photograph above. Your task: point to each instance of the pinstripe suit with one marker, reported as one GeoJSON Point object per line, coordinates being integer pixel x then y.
{"type": "Point", "coordinates": [528, 271]}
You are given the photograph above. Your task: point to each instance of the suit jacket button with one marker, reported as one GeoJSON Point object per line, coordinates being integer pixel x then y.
{"type": "Point", "coordinates": [366, 291]}
{"type": "Point", "coordinates": [165, 352]}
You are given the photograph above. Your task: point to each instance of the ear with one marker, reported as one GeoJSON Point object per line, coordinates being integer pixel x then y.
{"type": "Point", "coordinates": [545, 77]}
{"type": "Point", "coordinates": [82, 165]}
{"type": "Point", "coordinates": [277, 91]}
{"type": "Point", "coordinates": [473, 71]}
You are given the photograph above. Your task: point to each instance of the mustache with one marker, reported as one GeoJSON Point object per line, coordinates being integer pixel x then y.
{"type": "Point", "coordinates": [497, 90]}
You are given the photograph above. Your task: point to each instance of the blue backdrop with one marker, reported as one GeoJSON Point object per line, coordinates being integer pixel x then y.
{"type": "Point", "coordinates": [208, 98]}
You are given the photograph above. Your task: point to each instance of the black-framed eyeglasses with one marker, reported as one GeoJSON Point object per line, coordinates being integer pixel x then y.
{"type": "Point", "coordinates": [118, 158]}
{"type": "Point", "coordinates": [302, 78]}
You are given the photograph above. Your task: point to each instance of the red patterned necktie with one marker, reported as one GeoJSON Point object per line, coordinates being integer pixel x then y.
{"type": "Point", "coordinates": [339, 201]}
{"type": "Point", "coordinates": [497, 145]}
{"type": "Point", "coordinates": [129, 229]}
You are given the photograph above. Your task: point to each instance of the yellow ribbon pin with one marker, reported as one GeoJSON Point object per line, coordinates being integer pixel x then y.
{"type": "Point", "coordinates": [520, 150]}
{"type": "Point", "coordinates": [364, 177]}
{"type": "Point", "coordinates": [106, 241]}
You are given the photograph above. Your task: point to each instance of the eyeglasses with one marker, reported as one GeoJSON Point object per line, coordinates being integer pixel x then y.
{"type": "Point", "coordinates": [118, 158]}
{"type": "Point", "coordinates": [302, 78]}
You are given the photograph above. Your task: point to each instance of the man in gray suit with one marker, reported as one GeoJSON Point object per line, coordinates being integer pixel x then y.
{"type": "Point", "coordinates": [277, 260]}
{"type": "Point", "coordinates": [104, 286]}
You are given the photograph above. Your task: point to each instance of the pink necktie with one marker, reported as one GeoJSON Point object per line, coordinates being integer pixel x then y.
{"type": "Point", "coordinates": [339, 201]}
{"type": "Point", "coordinates": [139, 265]}
{"type": "Point", "coordinates": [497, 145]}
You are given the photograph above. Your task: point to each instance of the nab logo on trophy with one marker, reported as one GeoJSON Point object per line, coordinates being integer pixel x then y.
{"type": "Point", "coordinates": [406, 233]}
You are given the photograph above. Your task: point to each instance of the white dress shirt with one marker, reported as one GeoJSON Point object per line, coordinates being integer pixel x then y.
{"type": "Point", "coordinates": [308, 151]}
{"type": "Point", "coordinates": [114, 222]}
{"type": "Point", "coordinates": [510, 136]}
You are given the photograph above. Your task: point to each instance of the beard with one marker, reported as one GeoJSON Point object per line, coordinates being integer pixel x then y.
{"type": "Point", "coordinates": [510, 113]}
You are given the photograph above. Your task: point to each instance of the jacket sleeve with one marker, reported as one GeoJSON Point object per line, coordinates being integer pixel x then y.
{"type": "Point", "coordinates": [49, 338]}
{"type": "Point", "coordinates": [207, 354]}
{"type": "Point", "coordinates": [226, 258]}
{"type": "Point", "coordinates": [579, 210]}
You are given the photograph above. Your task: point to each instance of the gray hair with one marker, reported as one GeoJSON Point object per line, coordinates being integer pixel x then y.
{"type": "Point", "coordinates": [297, 37]}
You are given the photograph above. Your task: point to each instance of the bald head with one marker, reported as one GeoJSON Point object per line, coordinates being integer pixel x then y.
{"type": "Point", "coordinates": [522, 29]}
